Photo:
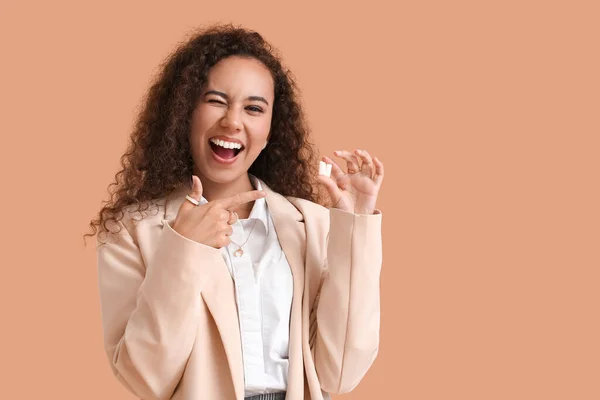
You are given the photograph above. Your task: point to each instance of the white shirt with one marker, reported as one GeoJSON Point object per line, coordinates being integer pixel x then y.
{"type": "Point", "coordinates": [263, 289]}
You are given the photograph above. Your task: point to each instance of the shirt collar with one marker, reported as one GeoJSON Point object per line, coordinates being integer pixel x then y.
{"type": "Point", "coordinates": [259, 210]}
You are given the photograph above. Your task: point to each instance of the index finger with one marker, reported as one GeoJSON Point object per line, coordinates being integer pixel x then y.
{"type": "Point", "coordinates": [240, 198]}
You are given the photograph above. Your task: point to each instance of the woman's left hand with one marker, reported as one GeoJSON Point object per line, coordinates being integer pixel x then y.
{"type": "Point", "coordinates": [356, 190]}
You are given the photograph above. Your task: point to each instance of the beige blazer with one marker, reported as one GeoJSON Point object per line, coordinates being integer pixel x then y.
{"type": "Point", "coordinates": [170, 319]}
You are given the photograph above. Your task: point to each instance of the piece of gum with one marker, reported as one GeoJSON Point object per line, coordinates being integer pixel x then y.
{"type": "Point", "coordinates": [329, 169]}
{"type": "Point", "coordinates": [322, 168]}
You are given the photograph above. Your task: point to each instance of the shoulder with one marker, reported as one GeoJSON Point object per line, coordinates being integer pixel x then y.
{"type": "Point", "coordinates": [307, 204]}
{"type": "Point", "coordinates": [309, 208]}
{"type": "Point", "coordinates": [135, 218]}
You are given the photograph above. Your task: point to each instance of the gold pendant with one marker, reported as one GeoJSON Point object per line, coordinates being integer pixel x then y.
{"type": "Point", "coordinates": [239, 252]}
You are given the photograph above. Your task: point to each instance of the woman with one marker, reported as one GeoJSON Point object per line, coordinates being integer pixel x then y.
{"type": "Point", "coordinates": [220, 274]}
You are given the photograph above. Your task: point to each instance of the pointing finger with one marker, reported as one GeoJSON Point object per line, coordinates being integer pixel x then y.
{"type": "Point", "coordinates": [241, 198]}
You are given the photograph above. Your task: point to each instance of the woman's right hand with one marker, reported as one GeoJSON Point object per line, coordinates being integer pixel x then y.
{"type": "Point", "coordinates": [210, 223]}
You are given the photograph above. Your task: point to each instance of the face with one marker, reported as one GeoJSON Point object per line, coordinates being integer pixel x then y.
{"type": "Point", "coordinates": [232, 120]}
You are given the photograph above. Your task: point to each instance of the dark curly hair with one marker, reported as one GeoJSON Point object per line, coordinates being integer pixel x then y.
{"type": "Point", "coordinates": [159, 161]}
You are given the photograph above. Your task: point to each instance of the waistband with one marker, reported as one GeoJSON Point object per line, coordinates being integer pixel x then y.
{"type": "Point", "coordinates": [267, 396]}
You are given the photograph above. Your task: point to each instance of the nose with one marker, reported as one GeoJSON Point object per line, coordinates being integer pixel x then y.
{"type": "Point", "coordinates": [231, 120]}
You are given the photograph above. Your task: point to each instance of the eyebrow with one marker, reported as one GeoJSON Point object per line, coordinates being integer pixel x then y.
{"type": "Point", "coordinates": [223, 95]}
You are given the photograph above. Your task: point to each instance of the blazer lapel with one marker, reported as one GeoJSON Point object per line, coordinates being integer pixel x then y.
{"type": "Point", "coordinates": [220, 300]}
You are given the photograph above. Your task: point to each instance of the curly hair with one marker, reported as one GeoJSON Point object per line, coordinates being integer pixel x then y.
{"type": "Point", "coordinates": [159, 161]}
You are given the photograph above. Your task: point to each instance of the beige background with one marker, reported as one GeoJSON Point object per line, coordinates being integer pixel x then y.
{"type": "Point", "coordinates": [486, 117]}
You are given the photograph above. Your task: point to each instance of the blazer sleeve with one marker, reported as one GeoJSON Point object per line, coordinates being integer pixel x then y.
{"type": "Point", "coordinates": [149, 308]}
{"type": "Point", "coordinates": [348, 309]}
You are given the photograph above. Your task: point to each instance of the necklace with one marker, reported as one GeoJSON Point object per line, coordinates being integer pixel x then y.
{"type": "Point", "coordinates": [239, 252]}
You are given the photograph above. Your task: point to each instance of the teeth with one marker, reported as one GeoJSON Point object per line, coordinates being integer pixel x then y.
{"type": "Point", "coordinates": [227, 145]}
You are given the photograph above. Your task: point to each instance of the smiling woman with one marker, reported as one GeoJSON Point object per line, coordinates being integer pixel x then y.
{"type": "Point", "coordinates": [222, 274]}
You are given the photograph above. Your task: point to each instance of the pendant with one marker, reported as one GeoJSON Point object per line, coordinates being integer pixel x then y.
{"type": "Point", "coordinates": [239, 252]}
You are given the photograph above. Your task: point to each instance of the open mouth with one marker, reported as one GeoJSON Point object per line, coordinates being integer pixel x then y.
{"type": "Point", "coordinates": [224, 150]}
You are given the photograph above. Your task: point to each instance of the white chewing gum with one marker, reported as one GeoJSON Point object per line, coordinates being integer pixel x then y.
{"type": "Point", "coordinates": [322, 168]}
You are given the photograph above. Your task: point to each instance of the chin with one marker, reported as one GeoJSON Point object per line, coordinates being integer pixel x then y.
{"type": "Point", "coordinates": [221, 175]}
{"type": "Point", "coordinates": [219, 170]}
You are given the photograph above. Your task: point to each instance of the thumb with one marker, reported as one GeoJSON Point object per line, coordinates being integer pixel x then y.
{"type": "Point", "coordinates": [196, 193]}
{"type": "Point", "coordinates": [196, 188]}
{"type": "Point", "coordinates": [331, 186]}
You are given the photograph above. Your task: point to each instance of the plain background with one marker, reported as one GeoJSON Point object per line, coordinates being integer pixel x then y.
{"type": "Point", "coordinates": [485, 114]}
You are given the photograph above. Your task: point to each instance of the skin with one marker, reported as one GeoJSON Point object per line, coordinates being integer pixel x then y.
{"type": "Point", "coordinates": [237, 102]}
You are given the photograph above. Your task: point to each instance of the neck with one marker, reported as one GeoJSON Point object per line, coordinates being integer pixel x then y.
{"type": "Point", "coordinates": [213, 191]}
